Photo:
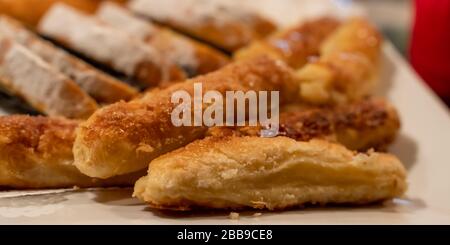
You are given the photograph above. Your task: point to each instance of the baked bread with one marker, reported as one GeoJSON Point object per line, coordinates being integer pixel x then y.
{"type": "Point", "coordinates": [193, 57]}
{"type": "Point", "coordinates": [36, 153]}
{"type": "Point", "coordinates": [294, 45]}
{"type": "Point", "coordinates": [24, 74]}
{"type": "Point", "coordinates": [224, 26]}
{"type": "Point", "coordinates": [107, 45]}
{"type": "Point", "coordinates": [363, 125]}
{"type": "Point", "coordinates": [268, 173]}
{"type": "Point", "coordinates": [347, 65]}
{"type": "Point", "coordinates": [125, 137]}
{"type": "Point", "coordinates": [103, 88]}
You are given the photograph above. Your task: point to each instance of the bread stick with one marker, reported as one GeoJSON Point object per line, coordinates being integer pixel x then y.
{"type": "Point", "coordinates": [24, 74]}
{"type": "Point", "coordinates": [268, 173]}
{"type": "Point", "coordinates": [224, 26]}
{"type": "Point", "coordinates": [107, 45]}
{"type": "Point", "coordinates": [193, 57]}
{"type": "Point", "coordinates": [294, 45]}
{"type": "Point", "coordinates": [347, 65]}
{"type": "Point", "coordinates": [36, 153]}
{"type": "Point", "coordinates": [125, 137]}
{"type": "Point", "coordinates": [103, 88]}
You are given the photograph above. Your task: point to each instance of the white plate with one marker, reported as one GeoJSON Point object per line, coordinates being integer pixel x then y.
{"type": "Point", "coordinates": [423, 145]}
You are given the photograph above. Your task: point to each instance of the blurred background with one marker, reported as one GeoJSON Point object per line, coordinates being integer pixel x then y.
{"type": "Point", "coordinates": [395, 17]}
{"type": "Point", "coordinates": [420, 29]}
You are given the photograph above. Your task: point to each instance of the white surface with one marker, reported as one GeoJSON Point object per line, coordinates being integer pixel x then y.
{"type": "Point", "coordinates": [423, 147]}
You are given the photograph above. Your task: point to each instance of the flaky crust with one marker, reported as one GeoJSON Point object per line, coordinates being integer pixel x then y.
{"type": "Point", "coordinates": [125, 137]}
{"type": "Point", "coordinates": [359, 126]}
{"type": "Point", "coordinates": [36, 152]}
{"type": "Point", "coordinates": [347, 65]}
{"type": "Point", "coordinates": [294, 45]}
{"type": "Point", "coordinates": [268, 173]}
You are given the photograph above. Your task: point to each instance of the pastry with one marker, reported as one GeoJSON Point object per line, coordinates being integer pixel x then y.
{"type": "Point", "coordinates": [222, 25]}
{"type": "Point", "coordinates": [24, 74]}
{"type": "Point", "coordinates": [107, 45]}
{"type": "Point", "coordinates": [125, 137]}
{"type": "Point", "coordinates": [103, 88]}
{"type": "Point", "coordinates": [30, 11]}
{"type": "Point", "coordinates": [36, 153]}
{"type": "Point", "coordinates": [294, 45]}
{"type": "Point", "coordinates": [347, 65]}
{"type": "Point", "coordinates": [193, 57]}
{"type": "Point", "coordinates": [268, 173]}
{"type": "Point", "coordinates": [363, 125]}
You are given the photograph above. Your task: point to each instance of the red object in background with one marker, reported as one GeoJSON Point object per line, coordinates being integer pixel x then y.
{"type": "Point", "coordinates": [430, 46]}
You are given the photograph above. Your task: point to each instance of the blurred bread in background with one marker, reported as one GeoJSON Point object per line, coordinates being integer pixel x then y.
{"type": "Point", "coordinates": [30, 11]}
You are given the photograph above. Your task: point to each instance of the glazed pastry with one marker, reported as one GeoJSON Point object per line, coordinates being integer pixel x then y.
{"type": "Point", "coordinates": [364, 125]}
{"type": "Point", "coordinates": [347, 65]}
{"type": "Point", "coordinates": [268, 173]}
{"type": "Point", "coordinates": [102, 87]}
{"type": "Point", "coordinates": [193, 57]}
{"type": "Point", "coordinates": [224, 26]}
{"type": "Point", "coordinates": [36, 153]}
{"type": "Point", "coordinates": [294, 45]}
{"type": "Point", "coordinates": [125, 137]}
{"type": "Point", "coordinates": [24, 74]}
{"type": "Point", "coordinates": [107, 45]}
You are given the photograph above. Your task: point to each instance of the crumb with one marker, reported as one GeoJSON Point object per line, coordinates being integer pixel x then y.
{"type": "Point", "coordinates": [234, 216]}
{"type": "Point", "coordinates": [257, 214]}
{"type": "Point", "coordinates": [76, 188]}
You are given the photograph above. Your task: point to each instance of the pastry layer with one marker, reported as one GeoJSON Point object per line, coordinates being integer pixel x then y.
{"type": "Point", "coordinates": [268, 173]}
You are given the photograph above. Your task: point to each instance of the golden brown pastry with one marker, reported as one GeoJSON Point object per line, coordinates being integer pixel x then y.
{"type": "Point", "coordinates": [103, 88]}
{"type": "Point", "coordinates": [358, 126]}
{"type": "Point", "coordinates": [30, 11]}
{"type": "Point", "coordinates": [125, 137]}
{"type": "Point", "coordinates": [294, 45]}
{"type": "Point", "coordinates": [193, 57]}
{"type": "Point", "coordinates": [347, 65]}
{"type": "Point", "coordinates": [24, 74]}
{"type": "Point", "coordinates": [224, 26]}
{"type": "Point", "coordinates": [36, 152]}
{"type": "Point", "coordinates": [268, 173]}
{"type": "Point", "coordinates": [107, 45]}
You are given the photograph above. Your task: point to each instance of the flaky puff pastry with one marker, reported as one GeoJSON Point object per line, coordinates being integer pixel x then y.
{"type": "Point", "coordinates": [294, 45]}
{"type": "Point", "coordinates": [125, 137]}
{"type": "Point", "coordinates": [346, 69]}
{"type": "Point", "coordinates": [268, 173]}
{"type": "Point", "coordinates": [36, 152]}
{"type": "Point", "coordinates": [360, 126]}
